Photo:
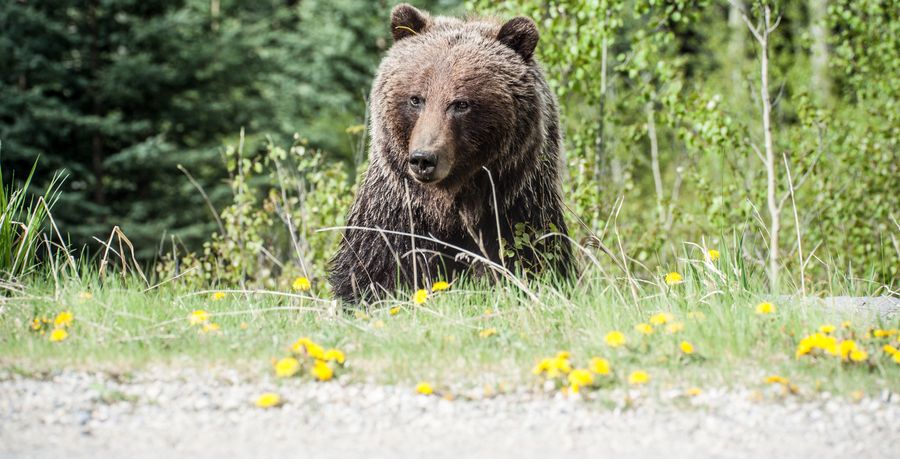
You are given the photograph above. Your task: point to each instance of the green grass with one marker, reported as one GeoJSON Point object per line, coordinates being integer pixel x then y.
{"type": "Point", "coordinates": [21, 223]}
{"type": "Point", "coordinates": [125, 326]}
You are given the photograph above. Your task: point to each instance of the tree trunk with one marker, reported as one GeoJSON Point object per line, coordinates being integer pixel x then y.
{"type": "Point", "coordinates": [771, 171]}
{"type": "Point", "coordinates": [654, 161]}
{"type": "Point", "coordinates": [761, 33]}
{"type": "Point", "coordinates": [600, 144]}
{"type": "Point", "coordinates": [736, 45]}
{"type": "Point", "coordinates": [818, 29]}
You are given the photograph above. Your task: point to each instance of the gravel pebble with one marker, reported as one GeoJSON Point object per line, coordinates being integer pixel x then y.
{"type": "Point", "coordinates": [163, 412]}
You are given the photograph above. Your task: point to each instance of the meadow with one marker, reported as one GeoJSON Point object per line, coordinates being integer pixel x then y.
{"type": "Point", "coordinates": [685, 332]}
{"type": "Point", "coordinates": [730, 167]}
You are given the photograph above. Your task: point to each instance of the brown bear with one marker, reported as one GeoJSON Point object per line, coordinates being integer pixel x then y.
{"type": "Point", "coordinates": [465, 145]}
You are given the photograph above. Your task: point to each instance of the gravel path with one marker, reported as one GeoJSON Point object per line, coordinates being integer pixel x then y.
{"type": "Point", "coordinates": [188, 413]}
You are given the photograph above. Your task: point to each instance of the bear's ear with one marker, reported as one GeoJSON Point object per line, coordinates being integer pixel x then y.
{"type": "Point", "coordinates": [407, 21]}
{"type": "Point", "coordinates": [520, 34]}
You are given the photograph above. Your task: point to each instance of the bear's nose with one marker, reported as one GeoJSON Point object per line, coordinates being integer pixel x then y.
{"type": "Point", "coordinates": [422, 164]}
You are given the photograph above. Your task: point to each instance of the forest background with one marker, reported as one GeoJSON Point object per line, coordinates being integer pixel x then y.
{"type": "Point", "coordinates": [223, 136]}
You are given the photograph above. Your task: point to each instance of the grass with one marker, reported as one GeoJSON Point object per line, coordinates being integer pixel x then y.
{"type": "Point", "coordinates": [124, 326]}
{"type": "Point", "coordinates": [22, 221]}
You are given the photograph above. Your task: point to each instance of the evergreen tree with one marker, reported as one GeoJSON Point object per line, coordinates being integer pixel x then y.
{"type": "Point", "coordinates": [118, 93]}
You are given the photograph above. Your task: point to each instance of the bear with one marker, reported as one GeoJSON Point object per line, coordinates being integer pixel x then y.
{"type": "Point", "coordinates": [464, 161]}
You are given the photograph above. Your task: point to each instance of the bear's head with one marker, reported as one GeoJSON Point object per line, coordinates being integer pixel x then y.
{"type": "Point", "coordinates": [453, 96]}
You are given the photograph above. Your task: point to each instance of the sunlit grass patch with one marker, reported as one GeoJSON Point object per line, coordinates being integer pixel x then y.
{"type": "Point", "coordinates": [469, 335]}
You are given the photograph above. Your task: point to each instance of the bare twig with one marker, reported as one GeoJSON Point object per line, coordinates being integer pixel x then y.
{"type": "Point", "coordinates": [212, 208]}
{"type": "Point", "coordinates": [654, 161]}
{"type": "Point", "coordinates": [496, 217]}
{"type": "Point", "coordinates": [761, 33]}
{"type": "Point", "coordinates": [787, 169]}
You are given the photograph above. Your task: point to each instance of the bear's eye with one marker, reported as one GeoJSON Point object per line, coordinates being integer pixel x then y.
{"type": "Point", "coordinates": [415, 101]}
{"type": "Point", "coordinates": [460, 106]}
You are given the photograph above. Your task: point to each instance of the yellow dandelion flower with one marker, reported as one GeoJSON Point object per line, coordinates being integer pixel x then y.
{"type": "Point", "coordinates": [58, 334]}
{"type": "Point", "coordinates": [579, 378]}
{"type": "Point", "coordinates": [244, 325]}
{"type": "Point", "coordinates": [765, 308]}
{"type": "Point", "coordinates": [614, 338]}
{"type": "Point", "coordinates": [638, 377]}
{"type": "Point", "coordinates": [287, 367]}
{"type": "Point", "coordinates": [299, 346]}
{"type": "Point", "coordinates": [803, 348]}
{"type": "Point", "coordinates": [712, 254]}
{"type": "Point", "coordinates": [487, 332]}
{"type": "Point", "coordinates": [301, 284]}
{"type": "Point", "coordinates": [859, 355]}
{"type": "Point", "coordinates": [218, 296]}
{"type": "Point", "coordinates": [890, 350]}
{"type": "Point", "coordinates": [268, 400]}
{"type": "Point", "coordinates": [553, 367]}
{"type": "Point", "coordinates": [315, 351]}
{"type": "Point", "coordinates": [421, 296]}
{"type": "Point", "coordinates": [846, 324]}
{"type": "Point", "coordinates": [686, 347]}
{"type": "Point", "coordinates": [775, 379]}
{"type": "Point", "coordinates": [693, 392]}
{"type": "Point", "coordinates": [881, 333]}
{"type": "Point", "coordinates": [826, 343]}
{"type": "Point", "coordinates": [85, 295]}
{"type": "Point", "coordinates": [322, 371]}
{"type": "Point", "coordinates": [673, 278]}
{"type": "Point", "coordinates": [63, 319]}
{"type": "Point", "coordinates": [210, 328]}
{"type": "Point", "coordinates": [333, 355]}
{"type": "Point", "coordinates": [896, 357]}
{"type": "Point", "coordinates": [674, 327]}
{"type": "Point", "coordinates": [36, 324]}
{"type": "Point", "coordinates": [198, 317]}
{"type": "Point", "coordinates": [424, 388]}
{"type": "Point", "coordinates": [599, 366]}
{"type": "Point", "coordinates": [394, 311]}
{"type": "Point", "coordinates": [542, 366]}
{"type": "Point", "coordinates": [827, 329]}
{"type": "Point", "coordinates": [563, 355]}
{"type": "Point", "coordinates": [558, 366]}
{"type": "Point", "coordinates": [644, 328]}
{"type": "Point", "coordinates": [661, 318]}
{"type": "Point", "coordinates": [846, 348]}
{"type": "Point", "coordinates": [440, 286]}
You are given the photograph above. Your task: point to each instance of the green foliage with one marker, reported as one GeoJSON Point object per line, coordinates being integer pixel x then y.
{"type": "Point", "coordinates": [661, 104]}
{"type": "Point", "coordinates": [119, 93]}
{"type": "Point", "coordinates": [22, 224]}
{"type": "Point", "coordinates": [270, 233]}
{"type": "Point", "coordinates": [660, 100]}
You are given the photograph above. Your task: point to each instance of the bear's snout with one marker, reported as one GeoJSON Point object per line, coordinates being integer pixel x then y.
{"type": "Point", "coordinates": [422, 164]}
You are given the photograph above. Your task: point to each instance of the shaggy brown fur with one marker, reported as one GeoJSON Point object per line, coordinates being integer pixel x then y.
{"type": "Point", "coordinates": [452, 98]}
